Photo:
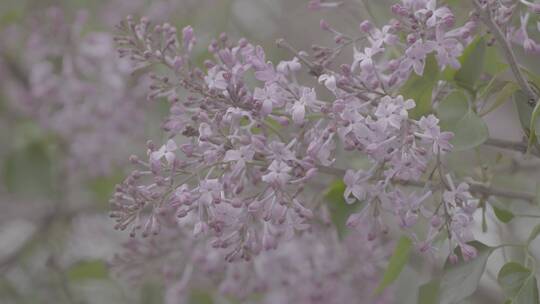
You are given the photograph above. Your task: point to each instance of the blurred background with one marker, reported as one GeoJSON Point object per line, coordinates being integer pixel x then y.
{"type": "Point", "coordinates": [67, 131]}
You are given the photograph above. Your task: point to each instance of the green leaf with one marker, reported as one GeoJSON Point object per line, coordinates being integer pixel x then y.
{"type": "Point", "coordinates": [469, 132]}
{"type": "Point", "coordinates": [396, 264]}
{"type": "Point", "coordinates": [503, 215]}
{"type": "Point", "coordinates": [429, 292]}
{"type": "Point", "coordinates": [472, 64]}
{"type": "Point", "coordinates": [492, 62]}
{"type": "Point", "coordinates": [503, 96]}
{"type": "Point", "coordinates": [448, 74]}
{"type": "Point", "coordinates": [535, 79]}
{"type": "Point", "coordinates": [420, 88]}
{"type": "Point", "coordinates": [524, 110]}
{"type": "Point", "coordinates": [452, 108]}
{"type": "Point", "coordinates": [457, 117]}
{"type": "Point", "coordinates": [534, 233]}
{"type": "Point", "coordinates": [518, 284]}
{"type": "Point", "coordinates": [461, 280]}
{"type": "Point", "coordinates": [86, 270]}
{"type": "Point", "coordinates": [338, 207]}
{"type": "Point", "coordinates": [528, 116]}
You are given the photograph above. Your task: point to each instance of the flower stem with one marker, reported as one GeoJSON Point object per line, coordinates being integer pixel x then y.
{"type": "Point", "coordinates": [510, 145]}
{"type": "Point", "coordinates": [485, 16]}
{"type": "Point", "coordinates": [474, 187]}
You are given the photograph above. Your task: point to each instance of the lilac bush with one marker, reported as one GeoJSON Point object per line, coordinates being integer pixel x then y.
{"type": "Point", "coordinates": [319, 178]}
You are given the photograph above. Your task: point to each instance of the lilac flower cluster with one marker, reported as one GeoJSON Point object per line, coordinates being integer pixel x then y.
{"type": "Point", "coordinates": [249, 138]}
{"type": "Point", "coordinates": [427, 28]}
{"type": "Point", "coordinates": [313, 268]}
{"type": "Point", "coordinates": [328, 272]}
{"type": "Point", "coordinates": [247, 180]}
{"type": "Point", "coordinates": [502, 12]}
{"type": "Point", "coordinates": [77, 89]}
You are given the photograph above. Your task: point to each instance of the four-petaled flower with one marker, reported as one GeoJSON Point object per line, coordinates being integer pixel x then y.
{"type": "Point", "coordinates": [308, 99]}
{"type": "Point", "coordinates": [432, 132]}
{"type": "Point", "coordinates": [278, 173]}
{"type": "Point", "coordinates": [166, 151]}
{"type": "Point", "coordinates": [415, 57]}
{"type": "Point", "coordinates": [356, 183]}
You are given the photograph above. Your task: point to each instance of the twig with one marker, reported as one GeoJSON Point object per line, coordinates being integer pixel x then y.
{"type": "Point", "coordinates": [315, 69]}
{"type": "Point", "coordinates": [492, 191]}
{"type": "Point", "coordinates": [510, 145]}
{"type": "Point", "coordinates": [485, 16]}
{"type": "Point", "coordinates": [473, 187]}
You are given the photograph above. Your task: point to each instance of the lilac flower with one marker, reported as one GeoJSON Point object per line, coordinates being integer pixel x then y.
{"type": "Point", "coordinates": [384, 36]}
{"type": "Point", "coordinates": [448, 49]}
{"type": "Point", "coordinates": [210, 191]}
{"type": "Point", "coordinates": [522, 36]}
{"type": "Point", "coordinates": [188, 38]}
{"type": "Point", "coordinates": [321, 148]}
{"type": "Point", "coordinates": [270, 97]}
{"type": "Point", "coordinates": [240, 157]}
{"type": "Point", "coordinates": [357, 185]}
{"type": "Point", "coordinates": [392, 111]}
{"type": "Point", "coordinates": [456, 195]}
{"type": "Point", "coordinates": [414, 58]}
{"type": "Point", "coordinates": [329, 81]}
{"type": "Point", "coordinates": [461, 205]}
{"type": "Point", "coordinates": [278, 173]}
{"type": "Point", "coordinates": [286, 67]}
{"type": "Point", "coordinates": [408, 207]}
{"type": "Point", "coordinates": [280, 152]}
{"type": "Point", "coordinates": [215, 79]}
{"type": "Point", "coordinates": [435, 13]}
{"type": "Point", "coordinates": [430, 130]}
{"type": "Point", "coordinates": [308, 99]}
{"type": "Point", "coordinates": [166, 151]}
{"type": "Point", "coordinates": [364, 59]}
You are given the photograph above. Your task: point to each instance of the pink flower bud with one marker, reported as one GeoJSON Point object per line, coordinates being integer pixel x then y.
{"type": "Point", "coordinates": [324, 25]}
{"type": "Point", "coordinates": [366, 26]}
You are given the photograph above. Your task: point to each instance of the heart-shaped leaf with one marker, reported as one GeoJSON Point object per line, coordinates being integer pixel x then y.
{"type": "Point", "coordinates": [518, 284]}
{"type": "Point", "coordinates": [461, 280]}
